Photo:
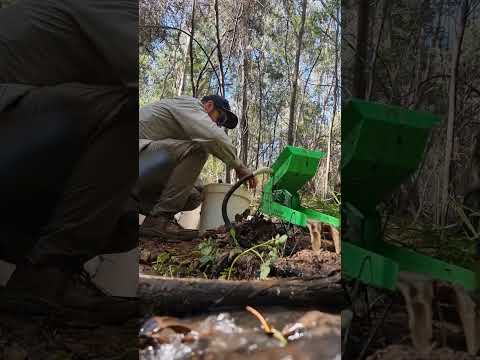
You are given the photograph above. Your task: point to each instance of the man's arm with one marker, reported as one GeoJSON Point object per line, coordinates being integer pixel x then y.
{"type": "Point", "coordinates": [200, 128]}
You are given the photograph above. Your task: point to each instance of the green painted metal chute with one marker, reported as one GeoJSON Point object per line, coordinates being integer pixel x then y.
{"type": "Point", "coordinates": [291, 171]}
{"type": "Point", "coordinates": [381, 146]}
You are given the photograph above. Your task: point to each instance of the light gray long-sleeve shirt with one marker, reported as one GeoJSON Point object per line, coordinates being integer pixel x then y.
{"type": "Point", "coordinates": [183, 118]}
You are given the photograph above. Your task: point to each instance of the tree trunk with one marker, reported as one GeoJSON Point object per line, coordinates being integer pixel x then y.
{"type": "Point", "coordinates": [180, 295]}
{"type": "Point", "coordinates": [219, 50]}
{"type": "Point", "coordinates": [359, 79]}
{"type": "Point", "coordinates": [222, 73]}
{"type": "Point", "coordinates": [274, 135]}
{"type": "Point", "coordinates": [302, 102]}
{"type": "Point", "coordinates": [371, 75]}
{"type": "Point", "coordinates": [243, 120]}
{"type": "Point", "coordinates": [330, 127]}
{"type": "Point", "coordinates": [192, 32]}
{"type": "Point", "coordinates": [185, 62]}
{"type": "Point", "coordinates": [452, 102]}
{"type": "Point", "coordinates": [245, 68]}
{"type": "Point", "coordinates": [260, 105]}
{"type": "Point", "coordinates": [293, 99]}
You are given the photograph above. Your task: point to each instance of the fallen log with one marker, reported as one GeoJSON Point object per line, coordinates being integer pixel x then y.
{"type": "Point", "coordinates": [185, 295]}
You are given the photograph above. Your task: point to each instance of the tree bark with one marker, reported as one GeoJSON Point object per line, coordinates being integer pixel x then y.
{"type": "Point", "coordinates": [330, 127]}
{"type": "Point", "coordinates": [274, 134]}
{"type": "Point", "coordinates": [359, 79]}
{"type": "Point", "coordinates": [219, 50]}
{"type": "Point", "coordinates": [186, 57]}
{"type": "Point", "coordinates": [180, 295]}
{"type": "Point", "coordinates": [222, 73]}
{"type": "Point", "coordinates": [371, 75]}
{"type": "Point", "coordinates": [243, 120]}
{"type": "Point", "coordinates": [293, 99]}
{"type": "Point", "coordinates": [244, 133]}
{"type": "Point", "coordinates": [260, 105]}
{"type": "Point", "coordinates": [452, 102]}
{"type": "Point", "coordinates": [192, 35]}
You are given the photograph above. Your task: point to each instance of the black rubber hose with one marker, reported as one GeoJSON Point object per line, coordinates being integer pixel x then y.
{"type": "Point", "coordinates": [226, 220]}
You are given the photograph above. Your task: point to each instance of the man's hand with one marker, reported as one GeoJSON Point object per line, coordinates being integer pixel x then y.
{"type": "Point", "coordinates": [243, 171]}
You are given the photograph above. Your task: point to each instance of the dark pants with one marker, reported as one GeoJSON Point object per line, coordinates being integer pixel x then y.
{"type": "Point", "coordinates": [170, 183]}
{"type": "Point", "coordinates": [65, 180]}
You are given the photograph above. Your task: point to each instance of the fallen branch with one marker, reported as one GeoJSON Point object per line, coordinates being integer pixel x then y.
{"type": "Point", "coordinates": [181, 296]}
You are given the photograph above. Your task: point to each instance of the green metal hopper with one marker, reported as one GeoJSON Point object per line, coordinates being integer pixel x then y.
{"type": "Point", "coordinates": [381, 146]}
{"type": "Point", "coordinates": [291, 171]}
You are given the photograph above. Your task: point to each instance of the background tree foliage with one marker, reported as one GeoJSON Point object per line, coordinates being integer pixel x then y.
{"type": "Point", "coordinates": [6, 2]}
{"type": "Point", "coordinates": [421, 55]}
{"type": "Point", "coordinates": [249, 51]}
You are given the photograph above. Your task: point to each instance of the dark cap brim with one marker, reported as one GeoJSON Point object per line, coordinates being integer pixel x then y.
{"type": "Point", "coordinates": [231, 119]}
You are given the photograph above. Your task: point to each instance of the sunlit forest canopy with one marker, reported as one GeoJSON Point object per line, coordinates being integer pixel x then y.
{"type": "Point", "coordinates": [277, 62]}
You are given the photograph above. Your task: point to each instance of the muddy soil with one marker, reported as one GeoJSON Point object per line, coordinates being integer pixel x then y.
{"type": "Point", "coordinates": [307, 263]}
{"type": "Point", "coordinates": [238, 335]}
{"type": "Point", "coordinates": [393, 341]}
{"type": "Point", "coordinates": [39, 338]}
{"type": "Point", "coordinates": [212, 255]}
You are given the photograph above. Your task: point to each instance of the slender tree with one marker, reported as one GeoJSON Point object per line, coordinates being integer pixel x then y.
{"type": "Point", "coordinates": [293, 98]}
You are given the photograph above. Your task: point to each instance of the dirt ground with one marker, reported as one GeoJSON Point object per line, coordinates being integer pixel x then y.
{"type": "Point", "coordinates": [393, 341]}
{"type": "Point", "coordinates": [212, 255]}
{"type": "Point", "coordinates": [258, 244]}
{"type": "Point", "coordinates": [40, 338]}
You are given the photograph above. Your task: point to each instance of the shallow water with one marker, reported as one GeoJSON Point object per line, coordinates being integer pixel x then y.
{"type": "Point", "coordinates": [238, 334]}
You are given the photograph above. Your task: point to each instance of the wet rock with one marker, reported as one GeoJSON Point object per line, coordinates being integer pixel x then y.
{"type": "Point", "coordinates": [316, 323]}
{"type": "Point", "coordinates": [159, 323]}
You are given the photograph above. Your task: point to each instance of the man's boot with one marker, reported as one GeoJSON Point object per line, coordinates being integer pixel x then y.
{"type": "Point", "coordinates": [83, 298]}
{"type": "Point", "coordinates": [34, 289]}
{"type": "Point", "coordinates": [65, 293]}
{"type": "Point", "coordinates": [165, 226]}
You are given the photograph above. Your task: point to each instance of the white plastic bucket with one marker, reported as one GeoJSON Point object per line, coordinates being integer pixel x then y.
{"type": "Point", "coordinates": [211, 214]}
{"type": "Point", "coordinates": [190, 219]}
{"type": "Point", "coordinates": [117, 274]}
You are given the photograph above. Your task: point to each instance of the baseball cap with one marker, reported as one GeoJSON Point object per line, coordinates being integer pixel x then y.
{"type": "Point", "coordinates": [230, 120]}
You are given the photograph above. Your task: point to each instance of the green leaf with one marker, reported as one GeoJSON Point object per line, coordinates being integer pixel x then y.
{"type": "Point", "coordinates": [280, 240]}
{"type": "Point", "coordinates": [272, 255]}
{"type": "Point", "coordinates": [206, 259]}
{"type": "Point", "coordinates": [264, 271]}
{"type": "Point", "coordinates": [161, 259]}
